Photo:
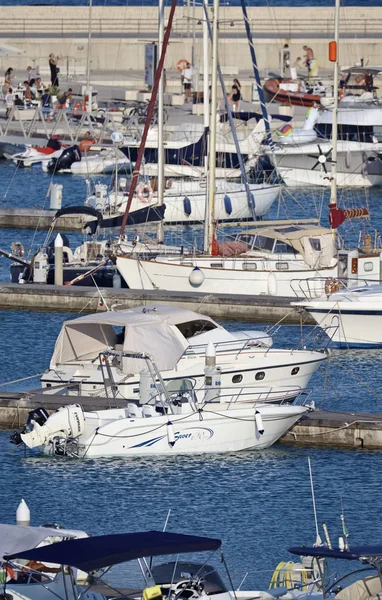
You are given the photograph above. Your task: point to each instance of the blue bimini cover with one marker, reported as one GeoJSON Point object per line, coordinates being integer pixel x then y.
{"type": "Point", "coordinates": [97, 552]}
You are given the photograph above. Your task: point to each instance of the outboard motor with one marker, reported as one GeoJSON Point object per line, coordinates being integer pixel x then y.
{"type": "Point", "coordinates": [65, 161]}
{"type": "Point", "coordinates": [38, 415]}
{"type": "Point", "coordinates": [68, 422]}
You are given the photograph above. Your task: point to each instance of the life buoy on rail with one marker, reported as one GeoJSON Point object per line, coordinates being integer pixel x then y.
{"type": "Point", "coordinates": [145, 193]}
{"type": "Point", "coordinates": [181, 64]}
{"type": "Point", "coordinates": [331, 286]}
{"type": "Point", "coordinates": [6, 574]}
{"type": "Point", "coordinates": [79, 108]}
{"type": "Point", "coordinates": [19, 249]}
{"type": "Point", "coordinates": [169, 183]}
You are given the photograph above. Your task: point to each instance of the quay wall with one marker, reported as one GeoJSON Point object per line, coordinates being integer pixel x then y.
{"type": "Point", "coordinates": [120, 34]}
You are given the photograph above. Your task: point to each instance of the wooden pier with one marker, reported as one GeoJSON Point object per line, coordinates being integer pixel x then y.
{"type": "Point", "coordinates": [317, 428]}
{"type": "Point", "coordinates": [43, 297]}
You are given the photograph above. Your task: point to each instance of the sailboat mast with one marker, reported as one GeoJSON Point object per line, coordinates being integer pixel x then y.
{"type": "Point", "coordinates": [333, 189]}
{"type": "Point", "coordinates": [212, 148]}
{"type": "Point", "coordinates": [161, 183]}
{"type": "Point", "coordinates": [206, 112]}
{"type": "Point", "coordinates": [88, 60]}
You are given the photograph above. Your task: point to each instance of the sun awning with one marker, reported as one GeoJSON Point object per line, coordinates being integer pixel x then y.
{"type": "Point", "coordinates": [354, 553]}
{"type": "Point", "coordinates": [15, 538]}
{"type": "Point", "coordinates": [148, 332]}
{"type": "Point", "coordinates": [94, 553]}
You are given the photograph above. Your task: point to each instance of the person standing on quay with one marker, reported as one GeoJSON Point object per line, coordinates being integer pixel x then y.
{"type": "Point", "coordinates": [187, 81]}
{"type": "Point", "coordinates": [8, 79]}
{"type": "Point", "coordinates": [54, 70]}
{"type": "Point", "coordinates": [9, 102]}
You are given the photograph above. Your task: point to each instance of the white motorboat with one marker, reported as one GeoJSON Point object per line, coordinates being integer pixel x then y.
{"type": "Point", "coordinates": [351, 316]}
{"type": "Point", "coordinates": [178, 340]}
{"type": "Point", "coordinates": [165, 420]}
{"type": "Point", "coordinates": [303, 161]}
{"type": "Point", "coordinates": [185, 201]}
{"type": "Point", "coordinates": [34, 155]}
{"type": "Point", "coordinates": [73, 161]}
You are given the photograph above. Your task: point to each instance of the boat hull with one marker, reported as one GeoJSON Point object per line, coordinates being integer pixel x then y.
{"type": "Point", "coordinates": [350, 326]}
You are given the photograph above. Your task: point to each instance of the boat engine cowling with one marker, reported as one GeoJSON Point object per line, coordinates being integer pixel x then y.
{"type": "Point", "coordinates": [65, 161]}
{"type": "Point", "coordinates": [67, 422]}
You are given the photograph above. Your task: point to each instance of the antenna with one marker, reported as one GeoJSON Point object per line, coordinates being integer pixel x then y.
{"type": "Point", "coordinates": [344, 528]}
{"type": "Point", "coordinates": [318, 538]}
{"type": "Point", "coordinates": [167, 520]}
{"type": "Point", "coordinates": [326, 532]}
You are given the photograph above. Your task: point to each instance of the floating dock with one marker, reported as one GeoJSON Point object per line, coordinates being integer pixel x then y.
{"type": "Point", "coordinates": [43, 297]}
{"type": "Point", "coordinates": [29, 218]}
{"type": "Point", "coordinates": [317, 428]}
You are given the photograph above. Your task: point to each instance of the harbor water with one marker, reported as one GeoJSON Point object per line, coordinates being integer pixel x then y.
{"type": "Point", "coordinates": [258, 503]}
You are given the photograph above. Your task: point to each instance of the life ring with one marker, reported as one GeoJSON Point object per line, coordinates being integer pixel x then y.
{"type": "Point", "coordinates": [331, 286]}
{"type": "Point", "coordinates": [79, 108]}
{"type": "Point", "coordinates": [169, 183]}
{"type": "Point", "coordinates": [6, 573]}
{"type": "Point", "coordinates": [181, 64]}
{"type": "Point", "coordinates": [19, 249]}
{"type": "Point", "coordinates": [145, 193]}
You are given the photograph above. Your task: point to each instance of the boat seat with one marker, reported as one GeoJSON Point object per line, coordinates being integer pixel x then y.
{"type": "Point", "coordinates": [148, 411]}
{"type": "Point", "coordinates": [134, 411]}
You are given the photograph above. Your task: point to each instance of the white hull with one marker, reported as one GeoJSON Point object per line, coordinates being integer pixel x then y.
{"type": "Point", "coordinates": [349, 326]}
{"type": "Point", "coordinates": [229, 275]}
{"type": "Point", "coordinates": [274, 375]}
{"type": "Point", "coordinates": [189, 205]}
{"type": "Point", "coordinates": [222, 429]}
{"type": "Point", "coordinates": [93, 165]}
{"type": "Point", "coordinates": [306, 177]}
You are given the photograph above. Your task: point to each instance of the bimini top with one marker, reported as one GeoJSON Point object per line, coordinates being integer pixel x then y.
{"type": "Point", "coordinates": [152, 330]}
{"type": "Point", "coordinates": [355, 553]}
{"type": "Point", "coordinates": [15, 538]}
{"type": "Point", "coordinates": [105, 550]}
{"type": "Point", "coordinates": [313, 242]}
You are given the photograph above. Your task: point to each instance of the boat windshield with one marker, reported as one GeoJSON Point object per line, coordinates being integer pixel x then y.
{"type": "Point", "coordinates": [263, 243]}
{"type": "Point", "coordinates": [173, 572]}
{"type": "Point", "coordinates": [191, 328]}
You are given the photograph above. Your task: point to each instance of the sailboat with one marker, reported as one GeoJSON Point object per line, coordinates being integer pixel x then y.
{"type": "Point", "coordinates": [258, 262]}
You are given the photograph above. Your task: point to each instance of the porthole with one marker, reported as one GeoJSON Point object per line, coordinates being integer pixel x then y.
{"type": "Point", "coordinates": [295, 370]}
{"type": "Point", "coordinates": [260, 376]}
{"type": "Point", "coordinates": [237, 379]}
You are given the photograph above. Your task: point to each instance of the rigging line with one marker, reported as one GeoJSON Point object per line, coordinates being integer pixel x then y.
{"type": "Point", "coordinates": [19, 380]}
{"type": "Point", "coordinates": [358, 379]}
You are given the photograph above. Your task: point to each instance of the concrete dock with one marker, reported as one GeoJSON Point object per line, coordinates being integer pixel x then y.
{"type": "Point", "coordinates": [318, 428]}
{"type": "Point", "coordinates": [27, 218]}
{"type": "Point", "coordinates": [268, 309]}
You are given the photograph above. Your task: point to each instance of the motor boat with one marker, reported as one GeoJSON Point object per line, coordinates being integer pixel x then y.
{"type": "Point", "coordinates": [298, 92]}
{"type": "Point", "coordinates": [33, 155]}
{"type": "Point", "coordinates": [245, 358]}
{"type": "Point", "coordinates": [73, 161]}
{"type": "Point", "coordinates": [165, 420]}
{"type": "Point", "coordinates": [185, 201]}
{"type": "Point", "coordinates": [350, 316]}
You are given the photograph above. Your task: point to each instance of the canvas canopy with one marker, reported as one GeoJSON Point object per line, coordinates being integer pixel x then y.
{"type": "Point", "coordinates": [314, 243]}
{"type": "Point", "coordinates": [16, 538]}
{"type": "Point", "coordinates": [102, 551]}
{"type": "Point", "coordinates": [152, 331]}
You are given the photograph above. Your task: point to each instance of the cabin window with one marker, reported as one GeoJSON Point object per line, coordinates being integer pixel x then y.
{"type": "Point", "coordinates": [216, 265]}
{"type": "Point", "coordinates": [263, 243]}
{"type": "Point", "coordinates": [260, 376]}
{"type": "Point", "coordinates": [192, 328]}
{"type": "Point", "coordinates": [246, 239]}
{"type": "Point", "coordinates": [249, 266]}
{"type": "Point", "coordinates": [368, 266]}
{"type": "Point", "coordinates": [283, 248]}
{"type": "Point", "coordinates": [295, 370]}
{"type": "Point", "coordinates": [237, 379]}
{"type": "Point", "coordinates": [282, 266]}
{"type": "Point", "coordinates": [316, 244]}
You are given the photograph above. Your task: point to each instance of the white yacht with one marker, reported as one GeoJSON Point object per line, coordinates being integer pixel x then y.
{"type": "Point", "coordinates": [351, 317]}
{"type": "Point", "coordinates": [261, 261]}
{"type": "Point", "coordinates": [178, 340]}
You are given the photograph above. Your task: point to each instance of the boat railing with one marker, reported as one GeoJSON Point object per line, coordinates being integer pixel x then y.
{"type": "Point", "coordinates": [237, 345]}
{"type": "Point", "coordinates": [315, 287]}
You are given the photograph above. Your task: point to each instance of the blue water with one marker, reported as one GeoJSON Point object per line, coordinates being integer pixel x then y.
{"type": "Point", "coordinates": [258, 503]}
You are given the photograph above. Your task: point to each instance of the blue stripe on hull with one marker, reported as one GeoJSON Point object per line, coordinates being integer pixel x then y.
{"type": "Point", "coordinates": [345, 345]}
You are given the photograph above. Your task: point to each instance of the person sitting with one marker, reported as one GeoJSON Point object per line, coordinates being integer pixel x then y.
{"type": "Point", "coordinates": [18, 101]}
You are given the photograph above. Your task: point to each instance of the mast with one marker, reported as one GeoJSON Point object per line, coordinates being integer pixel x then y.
{"type": "Point", "coordinates": [212, 148]}
{"type": "Point", "coordinates": [206, 111]}
{"type": "Point", "coordinates": [88, 60]}
{"type": "Point", "coordinates": [150, 111]}
{"type": "Point", "coordinates": [161, 183]}
{"type": "Point", "coordinates": [333, 186]}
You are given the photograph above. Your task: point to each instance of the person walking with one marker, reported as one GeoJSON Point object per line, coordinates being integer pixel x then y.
{"type": "Point", "coordinates": [285, 59]}
{"type": "Point", "coordinates": [187, 81]}
{"type": "Point", "coordinates": [9, 102]}
{"type": "Point", "coordinates": [236, 95]}
{"type": "Point", "coordinates": [54, 70]}
{"type": "Point", "coordinates": [8, 79]}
